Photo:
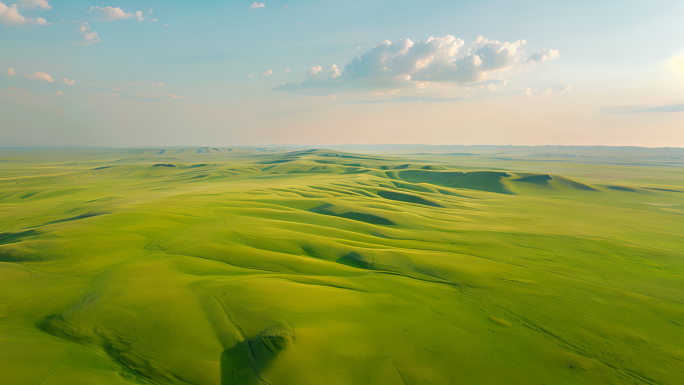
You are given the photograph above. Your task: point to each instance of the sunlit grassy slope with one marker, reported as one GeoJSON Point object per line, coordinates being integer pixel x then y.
{"type": "Point", "coordinates": [261, 266]}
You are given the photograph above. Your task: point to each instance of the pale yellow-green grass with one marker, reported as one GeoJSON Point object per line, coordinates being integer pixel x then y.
{"type": "Point", "coordinates": [320, 267]}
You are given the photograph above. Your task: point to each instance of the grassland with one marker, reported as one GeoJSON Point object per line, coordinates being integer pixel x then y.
{"type": "Point", "coordinates": [271, 266]}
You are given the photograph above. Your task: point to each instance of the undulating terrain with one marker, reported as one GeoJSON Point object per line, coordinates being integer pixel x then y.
{"type": "Point", "coordinates": [313, 266]}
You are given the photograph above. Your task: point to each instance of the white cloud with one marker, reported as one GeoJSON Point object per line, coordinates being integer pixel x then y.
{"type": "Point", "coordinates": [9, 15]}
{"type": "Point", "coordinates": [485, 59]}
{"type": "Point", "coordinates": [139, 15]}
{"type": "Point", "coordinates": [11, 71]}
{"type": "Point", "coordinates": [92, 38]}
{"type": "Point", "coordinates": [110, 13]}
{"type": "Point", "coordinates": [150, 12]}
{"type": "Point", "coordinates": [41, 76]}
{"type": "Point", "coordinates": [257, 5]}
{"type": "Point", "coordinates": [36, 4]}
{"type": "Point", "coordinates": [314, 70]}
{"type": "Point", "coordinates": [434, 61]}
{"type": "Point", "coordinates": [155, 19]}
{"type": "Point", "coordinates": [334, 72]}
{"type": "Point", "coordinates": [59, 93]}
{"type": "Point", "coordinates": [67, 81]}
{"type": "Point", "coordinates": [250, 75]}
{"type": "Point", "coordinates": [267, 73]}
{"type": "Point", "coordinates": [543, 55]}
{"type": "Point", "coordinates": [89, 36]}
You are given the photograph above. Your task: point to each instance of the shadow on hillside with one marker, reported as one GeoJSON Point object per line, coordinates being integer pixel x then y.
{"type": "Point", "coordinates": [236, 368]}
{"type": "Point", "coordinates": [243, 363]}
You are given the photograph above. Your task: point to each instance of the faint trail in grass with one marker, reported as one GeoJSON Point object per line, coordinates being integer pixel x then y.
{"type": "Point", "coordinates": [55, 369]}
{"type": "Point", "coordinates": [403, 380]}
{"type": "Point", "coordinates": [576, 278]}
{"type": "Point", "coordinates": [244, 339]}
{"type": "Point", "coordinates": [563, 342]}
{"type": "Point", "coordinates": [230, 318]}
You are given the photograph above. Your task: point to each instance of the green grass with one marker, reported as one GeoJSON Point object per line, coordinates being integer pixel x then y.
{"type": "Point", "coordinates": [255, 266]}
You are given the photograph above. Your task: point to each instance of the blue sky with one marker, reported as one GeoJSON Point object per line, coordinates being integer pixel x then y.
{"type": "Point", "coordinates": [141, 73]}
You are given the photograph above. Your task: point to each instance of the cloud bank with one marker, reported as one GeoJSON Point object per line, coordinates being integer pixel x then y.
{"type": "Point", "coordinates": [436, 60]}
{"type": "Point", "coordinates": [43, 4]}
{"type": "Point", "coordinates": [41, 76]}
{"type": "Point", "coordinates": [9, 15]}
{"type": "Point", "coordinates": [110, 13]}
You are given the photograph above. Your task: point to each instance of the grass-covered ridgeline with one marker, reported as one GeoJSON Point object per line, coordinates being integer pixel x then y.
{"type": "Point", "coordinates": [306, 267]}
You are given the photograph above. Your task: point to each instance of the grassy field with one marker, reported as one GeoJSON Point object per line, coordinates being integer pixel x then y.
{"type": "Point", "coordinates": [272, 266]}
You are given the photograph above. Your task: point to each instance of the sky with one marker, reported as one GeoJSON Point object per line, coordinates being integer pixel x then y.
{"type": "Point", "coordinates": [123, 73]}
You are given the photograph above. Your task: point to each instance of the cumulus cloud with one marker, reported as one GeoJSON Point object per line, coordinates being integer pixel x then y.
{"type": "Point", "coordinates": [35, 4]}
{"type": "Point", "coordinates": [257, 5]}
{"type": "Point", "coordinates": [139, 15]}
{"type": "Point", "coordinates": [9, 15]}
{"type": "Point", "coordinates": [543, 55]}
{"type": "Point", "coordinates": [41, 76]}
{"type": "Point", "coordinates": [155, 19]}
{"type": "Point", "coordinates": [150, 12]}
{"type": "Point", "coordinates": [10, 72]}
{"type": "Point", "coordinates": [436, 60]}
{"type": "Point", "coordinates": [267, 72]}
{"type": "Point", "coordinates": [68, 82]}
{"type": "Point", "coordinates": [334, 72]}
{"type": "Point", "coordinates": [110, 13]}
{"type": "Point", "coordinates": [89, 36]}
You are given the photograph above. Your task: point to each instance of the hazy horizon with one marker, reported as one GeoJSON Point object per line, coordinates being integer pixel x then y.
{"type": "Point", "coordinates": [342, 145]}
